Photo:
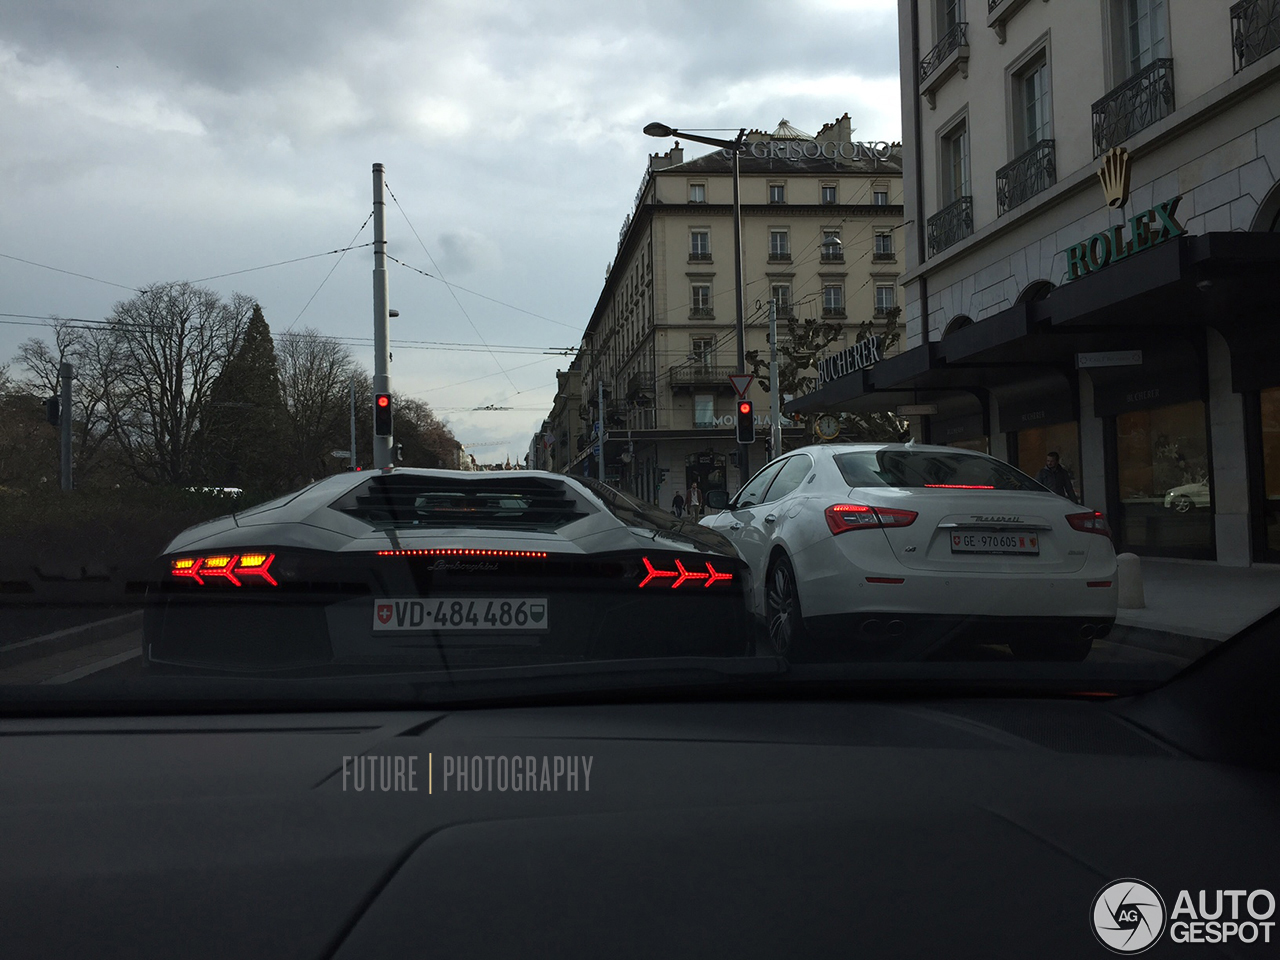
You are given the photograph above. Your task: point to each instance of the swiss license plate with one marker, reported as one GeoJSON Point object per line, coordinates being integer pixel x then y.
{"type": "Point", "coordinates": [992, 541]}
{"type": "Point", "coordinates": [461, 614]}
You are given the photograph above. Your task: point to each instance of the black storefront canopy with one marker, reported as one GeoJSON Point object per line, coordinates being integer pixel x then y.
{"type": "Point", "coordinates": [1159, 302]}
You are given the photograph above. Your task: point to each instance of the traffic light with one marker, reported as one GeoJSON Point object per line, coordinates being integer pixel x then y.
{"type": "Point", "coordinates": [382, 415]}
{"type": "Point", "coordinates": [53, 411]}
{"type": "Point", "coordinates": [746, 422]}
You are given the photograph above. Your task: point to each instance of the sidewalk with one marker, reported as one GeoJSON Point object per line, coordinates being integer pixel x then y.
{"type": "Point", "coordinates": [1203, 599]}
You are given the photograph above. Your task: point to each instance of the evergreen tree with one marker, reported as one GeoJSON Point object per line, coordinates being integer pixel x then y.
{"type": "Point", "coordinates": [243, 435]}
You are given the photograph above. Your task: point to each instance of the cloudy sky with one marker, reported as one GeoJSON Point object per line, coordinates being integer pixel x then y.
{"type": "Point", "coordinates": [157, 140]}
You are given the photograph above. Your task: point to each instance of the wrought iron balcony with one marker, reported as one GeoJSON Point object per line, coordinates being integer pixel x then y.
{"type": "Point", "coordinates": [834, 313]}
{"type": "Point", "coordinates": [883, 256]}
{"type": "Point", "coordinates": [776, 257]}
{"type": "Point", "coordinates": [950, 225]}
{"type": "Point", "coordinates": [700, 375]}
{"type": "Point", "coordinates": [702, 256]}
{"type": "Point", "coordinates": [1255, 30]}
{"type": "Point", "coordinates": [1024, 177]}
{"type": "Point", "coordinates": [951, 41]}
{"type": "Point", "coordinates": [837, 257]}
{"type": "Point", "coordinates": [701, 313]}
{"type": "Point", "coordinates": [1140, 101]}
{"type": "Point", "coordinates": [640, 382]}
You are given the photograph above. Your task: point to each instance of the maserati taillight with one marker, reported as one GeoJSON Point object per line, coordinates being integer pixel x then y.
{"type": "Point", "coordinates": [1091, 522]}
{"type": "Point", "coordinates": [842, 517]}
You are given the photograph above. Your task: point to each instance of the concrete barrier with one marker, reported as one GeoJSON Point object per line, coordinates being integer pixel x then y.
{"type": "Point", "coordinates": [1129, 573]}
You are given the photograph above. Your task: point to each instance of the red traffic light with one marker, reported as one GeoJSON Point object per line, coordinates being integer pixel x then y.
{"type": "Point", "coordinates": [384, 400]}
{"type": "Point", "coordinates": [744, 406]}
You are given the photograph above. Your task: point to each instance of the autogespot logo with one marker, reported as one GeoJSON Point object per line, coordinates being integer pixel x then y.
{"type": "Point", "coordinates": [1128, 916]}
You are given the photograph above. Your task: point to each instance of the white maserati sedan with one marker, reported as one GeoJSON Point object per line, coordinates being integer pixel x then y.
{"type": "Point", "coordinates": [904, 551]}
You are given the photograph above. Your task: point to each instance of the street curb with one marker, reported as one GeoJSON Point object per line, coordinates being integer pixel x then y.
{"type": "Point", "coordinates": [34, 648]}
{"type": "Point", "coordinates": [1162, 641]}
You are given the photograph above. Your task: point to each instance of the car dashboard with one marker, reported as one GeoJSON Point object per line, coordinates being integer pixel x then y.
{"type": "Point", "coordinates": [749, 828]}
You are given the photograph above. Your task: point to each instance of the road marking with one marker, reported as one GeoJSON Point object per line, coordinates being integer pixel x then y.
{"type": "Point", "coordinates": [59, 634]}
{"type": "Point", "coordinates": [82, 672]}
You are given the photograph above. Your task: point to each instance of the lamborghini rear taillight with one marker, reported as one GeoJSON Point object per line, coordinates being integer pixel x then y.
{"type": "Point", "coordinates": [682, 576]}
{"type": "Point", "coordinates": [842, 517]}
{"type": "Point", "coordinates": [231, 567]}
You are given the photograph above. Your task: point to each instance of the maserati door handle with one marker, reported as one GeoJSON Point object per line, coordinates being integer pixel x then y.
{"type": "Point", "coordinates": [770, 518]}
{"type": "Point", "coordinates": [735, 526]}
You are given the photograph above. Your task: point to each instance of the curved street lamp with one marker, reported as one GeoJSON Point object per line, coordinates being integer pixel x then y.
{"type": "Point", "coordinates": [736, 147]}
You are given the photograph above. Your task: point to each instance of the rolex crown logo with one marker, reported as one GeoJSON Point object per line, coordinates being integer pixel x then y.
{"type": "Point", "coordinates": [1114, 174]}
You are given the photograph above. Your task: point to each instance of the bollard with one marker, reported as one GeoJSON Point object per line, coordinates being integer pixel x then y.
{"type": "Point", "coordinates": [1129, 574]}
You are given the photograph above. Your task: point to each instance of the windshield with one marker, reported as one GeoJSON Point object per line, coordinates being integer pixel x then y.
{"type": "Point", "coordinates": [884, 356]}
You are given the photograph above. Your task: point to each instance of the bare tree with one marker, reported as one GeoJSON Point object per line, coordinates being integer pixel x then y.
{"type": "Point", "coordinates": [315, 383]}
{"type": "Point", "coordinates": [162, 351]}
{"type": "Point", "coordinates": [83, 348]}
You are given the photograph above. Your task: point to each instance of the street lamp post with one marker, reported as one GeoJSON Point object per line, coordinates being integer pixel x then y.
{"type": "Point", "coordinates": [735, 148]}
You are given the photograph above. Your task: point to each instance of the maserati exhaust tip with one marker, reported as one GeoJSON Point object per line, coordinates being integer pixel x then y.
{"type": "Point", "coordinates": [897, 628]}
{"type": "Point", "coordinates": [1086, 631]}
{"type": "Point", "coordinates": [872, 628]}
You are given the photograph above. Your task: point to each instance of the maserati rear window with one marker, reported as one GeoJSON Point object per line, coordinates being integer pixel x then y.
{"type": "Point", "coordinates": [930, 469]}
{"type": "Point", "coordinates": [401, 501]}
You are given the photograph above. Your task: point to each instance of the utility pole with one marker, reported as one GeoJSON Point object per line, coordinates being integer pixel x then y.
{"type": "Point", "coordinates": [64, 374]}
{"type": "Point", "coordinates": [352, 464]}
{"type": "Point", "coordinates": [381, 318]}
{"type": "Point", "coordinates": [744, 469]}
{"type": "Point", "coordinates": [775, 392]}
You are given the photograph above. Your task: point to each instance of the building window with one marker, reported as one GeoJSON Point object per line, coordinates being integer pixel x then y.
{"type": "Point", "coordinates": [702, 351]}
{"type": "Point", "coordinates": [700, 300]}
{"type": "Point", "coordinates": [700, 245]}
{"type": "Point", "coordinates": [779, 245]}
{"type": "Point", "coordinates": [955, 163]}
{"type": "Point", "coordinates": [833, 300]}
{"type": "Point", "coordinates": [1146, 33]}
{"type": "Point", "coordinates": [828, 193]}
{"type": "Point", "coordinates": [777, 193]}
{"type": "Point", "coordinates": [950, 13]}
{"type": "Point", "coordinates": [832, 252]}
{"type": "Point", "coordinates": [697, 193]}
{"type": "Point", "coordinates": [880, 197]}
{"type": "Point", "coordinates": [1031, 104]}
{"type": "Point", "coordinates": [704, 411]}
{"type": "Point", "coordinates": [780, 293]}
{"type": "Point", "coordinates": [884, 299]}
{"type": "Point", "coordinates": [1165, 480]}
{"type": "Point", "coordinates": [884, 245]}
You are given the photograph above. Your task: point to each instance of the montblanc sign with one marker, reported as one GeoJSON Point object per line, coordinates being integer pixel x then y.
{"type": "Point", "coordinates": [1148, 229]}
{"type": "Point", "coordinates": [815, 150]}
{"type": "Point", "coordinates": [849, 360]}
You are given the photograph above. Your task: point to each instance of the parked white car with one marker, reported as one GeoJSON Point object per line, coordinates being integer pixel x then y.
{"type": "Point", "coordinates": [900, 550]}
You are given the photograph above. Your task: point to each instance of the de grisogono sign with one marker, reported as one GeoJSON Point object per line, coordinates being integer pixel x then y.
{"type": "Point", "coordinates": [849, 360]}
{"type": "Point", "coordinates": [815, 150]}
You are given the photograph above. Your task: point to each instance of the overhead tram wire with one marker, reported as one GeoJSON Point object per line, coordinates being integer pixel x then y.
{"type": "Point", "coordinates": [71, 273]}
{"type": "Point", "coordinates": [330, 273]}
{"type": "Point", "coordinates": [483, 296]}
{"type": "Point", "coordinates": [452, 293]}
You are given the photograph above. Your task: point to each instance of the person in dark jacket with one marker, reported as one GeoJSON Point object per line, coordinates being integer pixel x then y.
{"type": "Point", "coordinates": [677, 504]}
{"type": "Point", "coordinates": [1056, 478]}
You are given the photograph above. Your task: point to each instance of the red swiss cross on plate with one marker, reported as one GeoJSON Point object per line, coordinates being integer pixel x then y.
{"type": "Point", "coordinates": [384, 612]}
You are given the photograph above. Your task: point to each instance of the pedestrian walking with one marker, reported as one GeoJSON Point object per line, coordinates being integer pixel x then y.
{"type": "Point", "coordinates": [677, 504]}
{"type": "Point", "coordinates": [1056, 477]}
{"type": "Point", "coordinates": [695, 500]}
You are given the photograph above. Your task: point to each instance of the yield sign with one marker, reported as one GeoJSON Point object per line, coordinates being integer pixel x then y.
{"type": "Point", "coordinates": [741, 383]}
